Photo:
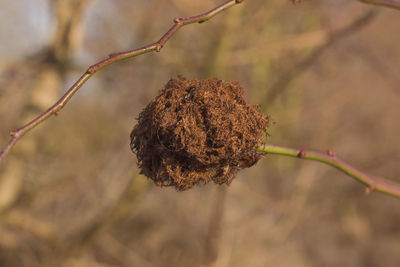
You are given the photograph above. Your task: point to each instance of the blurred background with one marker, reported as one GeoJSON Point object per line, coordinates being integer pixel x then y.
{"type": "Point", "coordinates": [70, 194]}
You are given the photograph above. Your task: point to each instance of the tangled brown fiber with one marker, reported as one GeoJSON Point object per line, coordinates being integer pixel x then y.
{"type": "Point", "coordinates": [197, 131]}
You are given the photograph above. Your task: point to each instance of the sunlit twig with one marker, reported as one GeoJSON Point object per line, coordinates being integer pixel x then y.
{"type": "Point", "coordinates": [371, 183]}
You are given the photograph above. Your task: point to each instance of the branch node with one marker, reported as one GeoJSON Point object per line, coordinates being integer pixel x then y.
{"type": "Point", "coordinates": [239, 1]}
{"type": "Point", "coordinates": [112, 55]}
{"type": "Point", "coordinates": [330, 153]}
{"type": "Point", "coordinates": [301, 154]}
{"type": "Point", "coordinates": [13, 133]}
{"type": "Point", "coordinates": [177, 20]}
{"type": "Point", "coordinates": [296, 2]}
{"type": "Point", "coordinates": [57, 110]}
{"type": "Point", "coordinates": [158, 47]}
{"type": "Point", "coordinates": [91, 69]}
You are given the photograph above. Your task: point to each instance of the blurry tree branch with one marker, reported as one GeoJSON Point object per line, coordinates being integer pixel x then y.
{"type": "Point", "coordinates": [372, 184]}
{"type": "Point", "coordinates": [386, 3]}
{"type": "Point", "coordinates": [283, 82]}
{"type": "Point", "coordinates": [114, 57]}
{"type": "Point", "coordinates": [215, 229]}
{"type": "Point", "coordinates": [69, 32]}
{"type": "Point", "coordinates": [119, 210]}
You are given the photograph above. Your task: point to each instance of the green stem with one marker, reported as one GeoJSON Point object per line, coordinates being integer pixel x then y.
{"type": "Point", "coordinates": [329, 158]}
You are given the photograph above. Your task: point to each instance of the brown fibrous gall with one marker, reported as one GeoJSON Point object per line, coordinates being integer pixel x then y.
{"type": "Point", "coordinates": [196, 132]}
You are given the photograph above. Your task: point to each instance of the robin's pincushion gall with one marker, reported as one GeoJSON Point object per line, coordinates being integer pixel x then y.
{"type": "Point", "coordinates": [197, 131]}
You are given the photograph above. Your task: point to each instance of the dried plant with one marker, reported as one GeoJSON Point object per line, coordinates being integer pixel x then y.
{"type": "Point", "coordinates": [197, 131]}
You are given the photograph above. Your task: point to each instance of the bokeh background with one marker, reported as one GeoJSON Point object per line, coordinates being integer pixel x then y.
{"type": "Point", "coordinates": [327, 71]}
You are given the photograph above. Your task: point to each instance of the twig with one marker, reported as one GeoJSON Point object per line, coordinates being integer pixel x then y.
{"type": "Point", "coordinates": [386, 3]}
{"type": "Point", "coordinates": [372, 184]}
{"type": "Point", "coordinates": [56, 108]}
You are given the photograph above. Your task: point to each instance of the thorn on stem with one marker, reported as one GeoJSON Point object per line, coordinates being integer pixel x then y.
{"type": "Point", "coordinates": [330, 153]}
{"type": "Point", "coordinates": [13, 133]}
{"type": "Point", "coordinates": [296, 1]}
{"type": "Point", "coordinates": [177, 20]}
{"type": "Point", "coordinates": [56, 112]}
{"type": "Point", "coordinates": [301, 154]}
{"type": "Point", "coordinates": [158, 47]}
{"type": "Point", "coordinates": [368, 190]}
{"type": "Point", "coordinates": [239, 1]}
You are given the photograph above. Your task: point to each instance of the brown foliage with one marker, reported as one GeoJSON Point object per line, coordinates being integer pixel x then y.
{"type": "Point", "coordinates": [197, 131]}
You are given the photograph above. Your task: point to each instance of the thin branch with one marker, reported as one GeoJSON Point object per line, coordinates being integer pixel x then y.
{"type": "Point", "coordinates": [386, 3]}
{"type": "Point", "coordinates": [372, 184]}
{"type": "Point", "coordinates": [303, 65]}
{"type": "Point", "coordinates": [115, 57]}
